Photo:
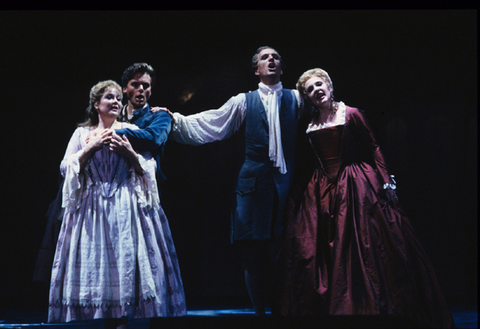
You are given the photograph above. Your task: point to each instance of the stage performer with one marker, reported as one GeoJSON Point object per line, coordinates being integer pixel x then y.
{"type": "Point", "coordinates": [349, 249]}
{"type": "Point", "coordinates": [137, 82]}
{"type": "Point", "coordinates": [270, 117]}
{"type": "Point", "coordinates": [114, 259]}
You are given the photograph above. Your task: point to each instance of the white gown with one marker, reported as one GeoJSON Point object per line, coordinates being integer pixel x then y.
{"type": "Point", "coordinates": [115, 255]}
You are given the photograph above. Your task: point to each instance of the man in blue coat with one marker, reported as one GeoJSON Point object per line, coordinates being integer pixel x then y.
{"type": "Point", "coordinates": [269, 115]}
{"type": "Point", "coordinates": [137, 83]}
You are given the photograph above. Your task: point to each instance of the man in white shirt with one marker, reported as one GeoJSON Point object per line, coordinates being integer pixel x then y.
{"type": "Point", "coordinates": [270, 117]}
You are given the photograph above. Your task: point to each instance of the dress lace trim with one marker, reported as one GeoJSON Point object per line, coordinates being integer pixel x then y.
{"type": "Point", "coordinates": [99, 302]}
{"type": "Point", "coordinates": [339, 120]}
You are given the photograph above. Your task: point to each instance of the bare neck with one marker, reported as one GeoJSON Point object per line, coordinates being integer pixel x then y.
{"type": "Point", "coordinates": [325, 114]}
{"type": "Point", "coordinates": [129, 110]}
{"type": "Point", "coordinates": [106, 123]}
{"type": "Point", "coordinates": [270, 80]}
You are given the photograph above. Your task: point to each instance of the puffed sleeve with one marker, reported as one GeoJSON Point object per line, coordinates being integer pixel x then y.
{"type": "Point", "coordinates": [211, 125]}
{"type": "Point", "coordinates": [300, 103]}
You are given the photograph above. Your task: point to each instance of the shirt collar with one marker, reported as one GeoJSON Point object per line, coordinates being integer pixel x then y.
{"type": "Point", "coordinates": [265, 89]}
{"type": "Point", "coordinates": [139, 112]}
{"type": "Point", "coordinates": [134, 111]}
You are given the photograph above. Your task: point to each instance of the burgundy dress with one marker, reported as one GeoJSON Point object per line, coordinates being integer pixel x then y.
{"type": "Point", "coordinates": [348, 250]}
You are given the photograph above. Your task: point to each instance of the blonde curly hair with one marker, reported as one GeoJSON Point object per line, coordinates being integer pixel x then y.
{"type": "Point", "coordinates": [319, 73]}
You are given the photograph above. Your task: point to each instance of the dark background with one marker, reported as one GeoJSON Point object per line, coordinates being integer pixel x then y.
{"type": "Point", "coordinates": [414, 73]}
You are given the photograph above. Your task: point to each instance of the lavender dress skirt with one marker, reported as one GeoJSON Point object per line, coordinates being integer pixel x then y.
{"type": "Point", "coordinates": [115, 256]}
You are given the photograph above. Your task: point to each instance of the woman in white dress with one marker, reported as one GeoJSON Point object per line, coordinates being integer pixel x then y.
{"type": "Point", "coordinates": [115, 258]}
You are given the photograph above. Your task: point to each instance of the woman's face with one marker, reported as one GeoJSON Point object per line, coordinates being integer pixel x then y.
{"type": "Point", "coordinates": [110, 103]}
{"type": "Point", "coordinates": [318, 92]}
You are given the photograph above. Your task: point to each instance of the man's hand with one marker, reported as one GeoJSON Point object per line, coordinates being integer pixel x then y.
{"type": "Point", "coordinates": [158, 108]}
{"type": "Point", "coordinates": [121, 145]}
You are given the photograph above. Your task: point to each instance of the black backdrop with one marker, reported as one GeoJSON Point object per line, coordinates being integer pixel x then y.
{"type": "Point", "coordinates": [414, 73]}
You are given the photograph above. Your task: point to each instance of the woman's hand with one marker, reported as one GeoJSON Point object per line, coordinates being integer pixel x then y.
{"type": "Point", "coordinates": [392, 196]}
{"type": "Point", "coordinates": [122, 146]}
{"type": "Point", "coordinates": [96, 140]}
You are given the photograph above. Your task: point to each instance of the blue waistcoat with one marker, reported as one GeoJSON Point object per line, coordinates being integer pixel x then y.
{"type": "Point", "coordinates": [256, 215]}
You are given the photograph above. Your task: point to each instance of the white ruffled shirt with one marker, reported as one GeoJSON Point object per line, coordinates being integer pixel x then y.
{"type": "Point", "coordinates": [271, 97]}
{"type": "Point", "coordinates": [218, 124]}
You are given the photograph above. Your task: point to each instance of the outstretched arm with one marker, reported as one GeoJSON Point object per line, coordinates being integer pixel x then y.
{"type": "Point", "coordinates": [211, 125]}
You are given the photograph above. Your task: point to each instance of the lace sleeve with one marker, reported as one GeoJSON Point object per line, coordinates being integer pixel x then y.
{"type": "Point", "coordinates": [75, 181]}
{"type": "Point", "coordinates": [145, 185]}
{"type": "Point", "coordinates": [74, 145]}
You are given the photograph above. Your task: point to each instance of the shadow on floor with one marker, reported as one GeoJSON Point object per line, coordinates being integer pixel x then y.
{"type": "Point", "coordinates": [218, 317]}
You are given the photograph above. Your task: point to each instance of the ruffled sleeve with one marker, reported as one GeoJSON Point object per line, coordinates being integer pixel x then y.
{"type": "Point", "coordinates": [211, 125]}
{"type": "Point", "coordinates": [75, 182]}
{"type": "Point", "coordinates": [145, 186]}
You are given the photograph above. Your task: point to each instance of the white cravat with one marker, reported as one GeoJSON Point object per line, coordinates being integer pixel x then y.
{"type": "Point", "coordinates": [272, 99]}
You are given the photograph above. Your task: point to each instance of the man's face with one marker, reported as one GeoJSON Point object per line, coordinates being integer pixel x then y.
{"type": "Point", "coordinates": [269, 66]}
{"type": "Point", "coordinates": [139, 90]}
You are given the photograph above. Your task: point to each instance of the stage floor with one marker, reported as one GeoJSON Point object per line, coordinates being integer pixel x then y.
{"type": "Point", "coordinates": [35, 317]}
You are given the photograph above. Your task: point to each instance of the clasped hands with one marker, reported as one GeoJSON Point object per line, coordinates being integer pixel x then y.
{"type": "Point", "coordinates": [108, 138]}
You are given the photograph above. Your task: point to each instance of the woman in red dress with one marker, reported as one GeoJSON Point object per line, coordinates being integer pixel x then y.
{"type": "Point", "coordinates": [349, 248]}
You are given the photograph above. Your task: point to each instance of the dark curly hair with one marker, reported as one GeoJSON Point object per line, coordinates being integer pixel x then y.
{"type": "Point", "coordinates": [133, 69]}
